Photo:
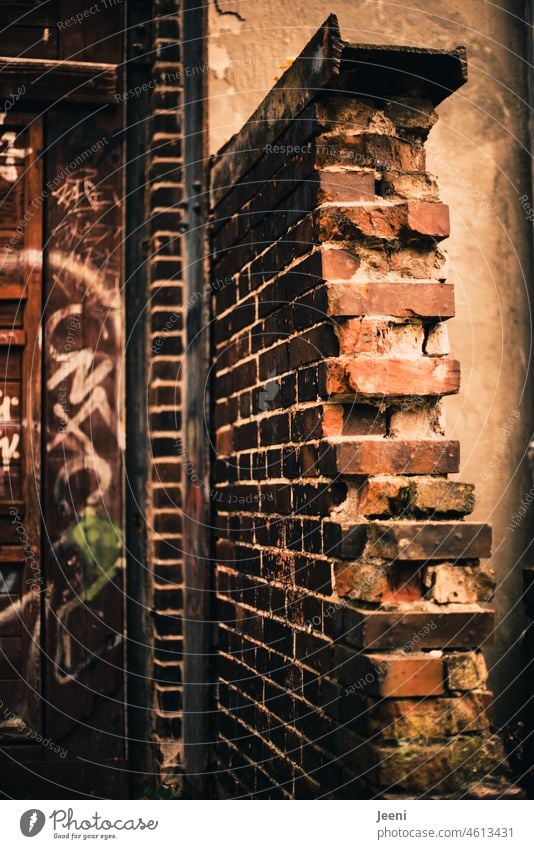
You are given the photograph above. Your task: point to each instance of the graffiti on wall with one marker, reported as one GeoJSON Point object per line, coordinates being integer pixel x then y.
{"type": "Point", "coordinates": [83, 353]}
{"type": "Point", "coordinates": [84, 436]}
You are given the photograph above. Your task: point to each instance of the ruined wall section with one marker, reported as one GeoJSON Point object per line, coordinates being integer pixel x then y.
{"type": "Point", "coordinates": [350, 592]}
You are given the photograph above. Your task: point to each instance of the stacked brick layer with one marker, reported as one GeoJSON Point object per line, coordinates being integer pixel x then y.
{"type": "Point", "coordinates": [349, 585]}
{"type": "Point", "coordinates": [166, 345]}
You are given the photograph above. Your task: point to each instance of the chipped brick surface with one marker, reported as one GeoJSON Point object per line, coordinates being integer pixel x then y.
{"type": "Point", "coordinates": [349, 590]}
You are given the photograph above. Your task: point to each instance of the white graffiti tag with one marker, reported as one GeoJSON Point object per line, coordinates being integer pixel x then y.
{"type": "Point", "coordinates": [89, 397]}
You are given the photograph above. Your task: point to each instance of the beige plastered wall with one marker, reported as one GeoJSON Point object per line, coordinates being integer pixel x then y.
{"type": "Point", "coordinates": [479, 152]}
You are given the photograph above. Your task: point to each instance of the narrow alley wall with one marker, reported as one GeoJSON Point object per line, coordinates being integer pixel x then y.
{"type": "Point", "coordinates": [478, 151]}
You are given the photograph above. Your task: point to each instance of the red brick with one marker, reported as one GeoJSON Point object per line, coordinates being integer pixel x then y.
{"type": "Point", "coordinates": [336, 420]}
{"type": "Point", "coordinates": [426, 300]}
{"type": "Point", "coordinates": [392, 676]}
{"type": "Point", "coordinates": [370, 150]}
{"type": "Point", "coordinates": [429, 219]}
{"type": "Point", "coordinates": [383, 496]}
{"type": "Point", "coordinates": [316, 559]}
{"type": "Point", "coordinates": [384, 221]}
{"type": "Point", "coordinates": [338, 263]}
{"type": "Point", "coordinates": [346, 185]}
{"type": "Point", "coordinates": [380, 336]}
{"type": "Point", "coordinates": [224, 440]}
{"type": "Point", "coordinates": [379, 376]}
{"type": "Point", "coordinates": [376, 581]}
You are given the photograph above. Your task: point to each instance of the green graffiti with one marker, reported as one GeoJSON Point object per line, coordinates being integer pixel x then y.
{"type": "Point", "coordinates": [99, 543]}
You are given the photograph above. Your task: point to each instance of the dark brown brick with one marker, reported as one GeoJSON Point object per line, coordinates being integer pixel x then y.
{"type": "Point", "coordinates": [388, 456]}
{"type": "Point", "coordinates": [419, 629]}
{"type": "Point", "coordinates": [407, 540]}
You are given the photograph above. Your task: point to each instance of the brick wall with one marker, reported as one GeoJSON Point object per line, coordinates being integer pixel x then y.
{"type": "Point", "coordinates": [350, 592]}
{"type": "Point", "coordinates": [166, 346]}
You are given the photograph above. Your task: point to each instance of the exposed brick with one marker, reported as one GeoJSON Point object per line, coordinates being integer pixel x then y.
{"type": "Point", "coordinates": [425, 300]}
{"type": "Point", "coordinates": [431, 628]}
{"type": "Point", "coordinates": [416, 540]}
{"type": "Point", "coordinates": [381, 376]}
{"type": "Point", "coordinates": [442, 767]}
{"type": "Point", "coordinates": [431, 495]}
{"type": "Point", "coordinates": [466, 671]}
{"type": "Point", "coordinates": [448, 583]}
{"type": "Point", "coordinates": [431, 719]}
{"type": "Point", "coordinates": [224, 438]}
{"type": "Point", "coordinates": [346, 185]}
{"type": "Point", "coordinates": [370, 150]}
{"type": "Point", "coordinates": [391, 676]}
{"type": "Point", "coordinates": [346, 586]}
{"type": "Point", "coordinates": [381, 336]}
{"type": "Point", "coordinates": [383, 496]}
{"type": "Point", "coordinates": [335, 420]}
{"type": "Point", "coordinates": [388, 456]}
{"type": "Point", "coordinates": [335, 264]}
{"type": "Point", "coordinates": [418, 218]}
{"type": "Point", "coordinates": [377, 581]}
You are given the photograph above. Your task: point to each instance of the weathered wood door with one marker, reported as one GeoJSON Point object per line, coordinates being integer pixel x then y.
{"type": "Point", "coordinates": [62, 641]}
{"type": "Point", "coordinates": [21, 576]}
{"type": "Point", "coordinates": [82, 469]}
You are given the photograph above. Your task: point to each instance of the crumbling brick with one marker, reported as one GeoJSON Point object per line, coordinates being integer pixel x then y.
{"type": "Point", "coordinates": [466, 671]}
{"type": "Point", "coordinates": [348, 585]}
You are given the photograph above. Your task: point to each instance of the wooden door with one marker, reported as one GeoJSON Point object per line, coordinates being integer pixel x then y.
{"type": "Point", "coordinates": [61, 534]}
{"type": "Point", "coordinates": [83, 330]}
{"type": "Point", "coordinates": [21, 576]}
{"type": "Point", "coordinates": [62, 640]}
